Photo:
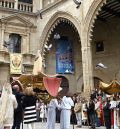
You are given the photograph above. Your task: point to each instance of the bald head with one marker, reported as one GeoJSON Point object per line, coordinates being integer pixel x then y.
{"type": "Point", "coordinates": [16, 87]}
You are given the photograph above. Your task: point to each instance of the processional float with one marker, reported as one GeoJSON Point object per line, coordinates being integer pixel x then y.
{"type": "Point", "coordinates": [112, 88]}
{"type": "Point", "coordinates": [45, 86]}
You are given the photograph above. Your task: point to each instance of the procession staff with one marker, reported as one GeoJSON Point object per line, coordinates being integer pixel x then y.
{"type": "Point", "coordinates": [66, 105]}
{"type": "Point", "coordinates": [51, 113]}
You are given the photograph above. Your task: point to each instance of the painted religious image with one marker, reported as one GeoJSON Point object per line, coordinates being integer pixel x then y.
{"type": "Point", "coordinates": [64, 56]}
{"type": "Point", "coordinates": [15, 63]}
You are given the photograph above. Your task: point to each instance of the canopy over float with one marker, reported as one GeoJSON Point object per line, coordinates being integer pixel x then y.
{"type": "Point", "coordinates": [112, 88]}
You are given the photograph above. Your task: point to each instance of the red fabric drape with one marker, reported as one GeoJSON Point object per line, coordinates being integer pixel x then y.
{"type": "Point", "coordinates": [52, 85]}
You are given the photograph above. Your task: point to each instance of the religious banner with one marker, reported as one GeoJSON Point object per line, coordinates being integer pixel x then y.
{"type": "Point", "coordinates": [15, 63]}
{"type": "Point", "coordinates": [64, 56]}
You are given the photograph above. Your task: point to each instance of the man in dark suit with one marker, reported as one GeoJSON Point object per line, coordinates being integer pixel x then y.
{"type": "Point", "coordinates": [18, 112]}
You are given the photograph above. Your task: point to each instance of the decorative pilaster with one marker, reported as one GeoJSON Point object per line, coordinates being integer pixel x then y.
{"type": "Point", "coordinates": [41, 4]}
{"type": "Point", "coordinates": [2, 35]}
{"type": "Point", "coordinates": [28, 41]}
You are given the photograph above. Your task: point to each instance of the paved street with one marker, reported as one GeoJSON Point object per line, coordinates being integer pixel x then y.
{"type": "Point", "coordinates": [40, 125]}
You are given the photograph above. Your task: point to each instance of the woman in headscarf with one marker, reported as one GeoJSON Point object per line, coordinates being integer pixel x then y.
{"type": "Point", "coordinates": [8, 103]}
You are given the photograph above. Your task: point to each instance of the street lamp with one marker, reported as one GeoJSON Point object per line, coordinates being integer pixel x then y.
{"type": "Point", "coordinates": [56, 36]}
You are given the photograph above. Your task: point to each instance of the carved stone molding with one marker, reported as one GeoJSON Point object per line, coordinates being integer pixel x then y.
{"type": "Point", "coordinates": [16, 20]}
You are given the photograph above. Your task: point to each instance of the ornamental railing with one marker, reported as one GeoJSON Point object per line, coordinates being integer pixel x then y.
{"type": "Point", "coordinates": [25, 7]}
{"type": "Point", "coordinates": [14, 4]}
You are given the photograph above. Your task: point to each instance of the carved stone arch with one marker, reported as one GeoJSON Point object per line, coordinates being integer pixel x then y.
{"type": "Point", "coordinates": [52, 24]}
{"type": "Point", "coordinates": [86, 37]}
{"type": "Point", "coordinates": [88, 22]}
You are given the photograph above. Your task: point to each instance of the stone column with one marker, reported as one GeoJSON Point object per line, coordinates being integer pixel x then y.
{"type": "Point", "coordinates": [87, 63]}
{"type": "Point", "coordinates": [87, 70]}
{"type": "Point", "coordinates": [16, 4]}
{"type": "Point", "coordinates": [2, 35]}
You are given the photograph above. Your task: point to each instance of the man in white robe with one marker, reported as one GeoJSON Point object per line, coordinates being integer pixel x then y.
{"type": "Point", "coordinates": [66, 105]}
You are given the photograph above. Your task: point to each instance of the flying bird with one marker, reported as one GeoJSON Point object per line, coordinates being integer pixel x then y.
{"type": "Point", "coordinates": [48, 47]}
{"type": "Point", "coordinates": [101, 65]}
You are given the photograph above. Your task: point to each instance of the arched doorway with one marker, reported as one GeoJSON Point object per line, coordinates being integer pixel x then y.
{"type": "Point", "coordinates": [96, 82]}
{"type": "Point", "coordinates": [67, 31]}
{"type": "Point", "coordinates": [93, 36]}
{"type": "Point", "coordinates": [64, 85]}
{"type": "Point", "coordinates": [106, 40]}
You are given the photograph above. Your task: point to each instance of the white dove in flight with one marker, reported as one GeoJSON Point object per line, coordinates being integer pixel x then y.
{"type": "Point", "coordinates": [48, 47]}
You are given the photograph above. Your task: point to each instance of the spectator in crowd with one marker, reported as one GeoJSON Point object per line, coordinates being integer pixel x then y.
{"type": "Point", "coordinates": [94, 94]}
{"type": "Point", "coordinates": [8, 103]}
{"type": "Point", "coordinates": [0, 93]}
{"type": "Point", "coordinates": [91, 113]}
{"type": "Point", "coordinates": [84, 112]}
{"type": "Point", "coordinates": [78, 109]}
{"type": "Point", "coordinates": [29, 106]}
{"type": "Point", "coordinates": [107, 114]}
{"type": "Point", "coordinates": [38, 110]}
{"type": "Point", "coordinates": [66, 105]}
{"type": "Point", "coordinates": [97, 113]}
{"type": "Point", "coordinates": [42, 111]}
{"type": "Point", "coordinates": [113, 106]}
{"type": "Point", "coordinates": [73, 116]}
{"type": "Point", "coordinates": [18, 112]}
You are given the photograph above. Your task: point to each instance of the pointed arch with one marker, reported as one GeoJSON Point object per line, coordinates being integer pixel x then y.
{"type": "Point", "coordinates": [88, 22]}
{"type": "Point", "coordinates": [55, 19]}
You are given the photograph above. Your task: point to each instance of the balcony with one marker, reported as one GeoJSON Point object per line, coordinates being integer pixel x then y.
{"type": "Point", "coordinates": [15, 4]}
{"type": "Point", "coordinates": [25, 7]}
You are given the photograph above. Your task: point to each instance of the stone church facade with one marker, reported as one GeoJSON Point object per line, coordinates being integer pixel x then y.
{"type": "Point", "coordinates": [92, 26]}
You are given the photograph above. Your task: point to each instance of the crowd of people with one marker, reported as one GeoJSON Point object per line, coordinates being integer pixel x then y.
{"type": "Point", "coordinates": [98, 110]}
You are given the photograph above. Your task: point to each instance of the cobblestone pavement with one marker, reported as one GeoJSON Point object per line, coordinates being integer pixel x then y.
{"type": "Point", "coordinates": [40, 125]}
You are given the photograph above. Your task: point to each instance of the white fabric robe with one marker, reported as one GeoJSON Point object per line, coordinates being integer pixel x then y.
{"type": "Point", "coordinates": [51, 114]}
{"type": "Point", "coordinates": [66, 105]}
